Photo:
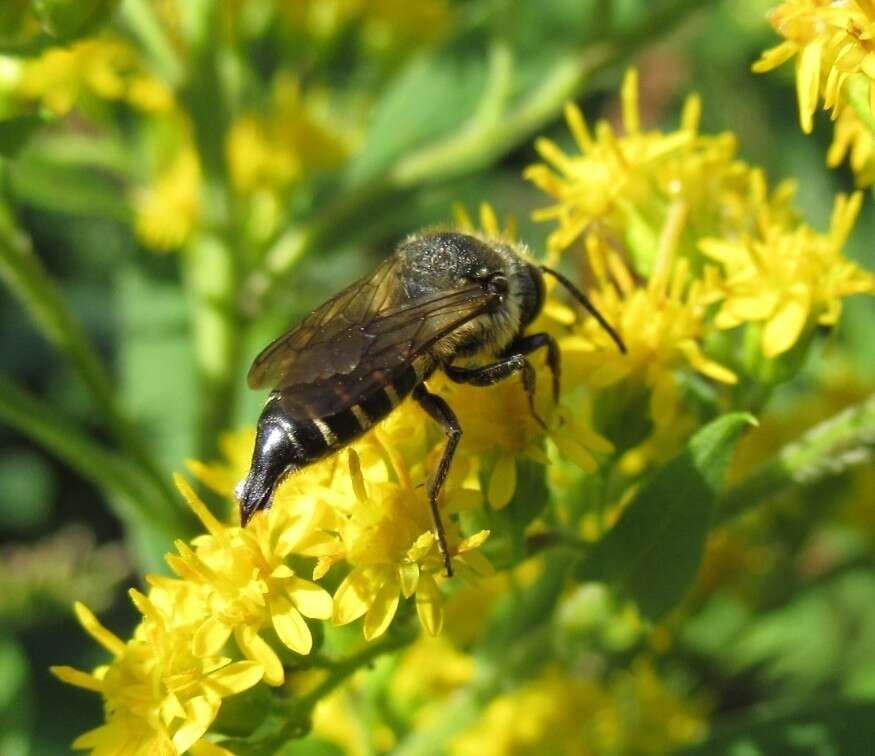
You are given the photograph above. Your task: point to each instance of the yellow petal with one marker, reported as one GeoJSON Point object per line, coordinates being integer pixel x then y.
{"type": "Point", "coordinates": [429, 605]}
{"type": "Point", "coordinates": [76, 677]}
{"type": "Point", "coordinates": [110, 641]}
{"type": "Point", "coordinates": [382, 611]}
{"type": "Point", "coordinates": [502, 482]}
{"type": "Point", "coordinates": [774, 57]}
{"type": "Point", "coordinates": [472, 542]}
{"type": "Point", "coordinates": [477, 563]}
{"type": "Point", "coordinates": [408, 574]}
{"type": "Point", "coordinates": [254, 647]}
{"type": "Point", "coordinates": [355, 594]}
{"type": "Point", "coordinates": [754, 306]}
{"type": "Point", "coordinates": [310, 599]}
{"type": "Point", "coordinates": [579, 455]}
{"type": "Point", "coordinates": [200, 713]}
{"type": "Point", "coordinates": [210, 637]}
{"type": "Point", "coordinates": [808, 82]}
{"type": "Point", "coordinates": [291, 628]}
{"type": "Point", "coordinates": [421, 546]}
{"type": "Point", "coordinates": [213, 526]}
{"type": "Point", "coordinates": [235, 678]}
{"type": "Point", "coordinates": [782, 330]}
{"type": "Point", "coordinates": [690, 349]}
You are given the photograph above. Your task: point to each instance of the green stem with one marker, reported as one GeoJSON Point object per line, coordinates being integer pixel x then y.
{"type": "Point", "coordinates": [210, 262]}
{"type": "Point", "coordinates": [139, 15]}
{"type": "Point", "coordinates": [295, 713]}
{"type": "Point", "coordinates": [828, 449]}
{"type": "Point", "coordinates": [29, 281]}
{"type": "Point", "coordinates": [209, 274]}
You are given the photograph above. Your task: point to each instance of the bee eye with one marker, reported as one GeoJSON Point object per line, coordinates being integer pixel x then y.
{"type": "Point", "coordinates": [497, 283]}
{"type": "Point", "coordinates": [481, 274]}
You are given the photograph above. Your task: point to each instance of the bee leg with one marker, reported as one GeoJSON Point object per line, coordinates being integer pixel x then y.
{"type": "Point", "coordinates": [514, 361]}
{"type": "Point", "coordinates": [440, 412]}
{"type": "Point", "coordinates": [489, 375]}
{"type": "Point", "coordinates": [528, 344]}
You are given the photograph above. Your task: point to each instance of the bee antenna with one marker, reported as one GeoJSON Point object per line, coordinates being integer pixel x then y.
{"type": "Point", "coordinates": [590, 307]}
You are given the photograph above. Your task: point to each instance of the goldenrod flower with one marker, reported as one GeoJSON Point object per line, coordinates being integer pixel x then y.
{"type": "Point", "coordinates": [168, 211]}
{"type": "Point", "coordinates": [159, 698]}
{"type": "Point", "coordinates": [389, 542]}
{"type": "Point", "coordinates": [662, 324]}
{"type": "Point", "coordinates": [248, 586]}
{"type": "Point", "coordinates": [855, 140]}
{"type": "Point", "coordinates": [273, 151]}
{"type": "Point", "coordinates": [613, 179]}
{"type": "Point", "coordinates": [632, 712]}
{"type": "Point", "coordinates": [104, 67]}
{"type": "Point", "coordinates": [833, 41]}
{"type": "Point", "coordinates": [787, 278]}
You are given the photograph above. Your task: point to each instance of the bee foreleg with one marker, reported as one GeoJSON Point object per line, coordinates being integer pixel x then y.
{"type": "Point", "coordinates": [513, 363]}
{"type": "Point", "coordinates": [528, 344]}
{"type": "Point", "coordinates": [440, 411]}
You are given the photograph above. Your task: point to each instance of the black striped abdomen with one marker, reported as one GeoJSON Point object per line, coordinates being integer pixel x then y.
{"type": "Point", "coordinates": [317, 438]}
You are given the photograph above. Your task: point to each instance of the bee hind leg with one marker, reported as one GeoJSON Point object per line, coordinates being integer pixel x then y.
{"type": "Point", "coordinates": [440, 412]}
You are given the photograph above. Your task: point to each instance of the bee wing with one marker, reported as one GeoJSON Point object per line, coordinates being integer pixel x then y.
{"type": "Point", "coordinates": [307, 348]}
{"type": "Point", "coordinates": [352, 346]}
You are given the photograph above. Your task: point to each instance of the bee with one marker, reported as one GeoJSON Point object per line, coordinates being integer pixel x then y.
{"type": "Point", "coordinates": [442, 296]}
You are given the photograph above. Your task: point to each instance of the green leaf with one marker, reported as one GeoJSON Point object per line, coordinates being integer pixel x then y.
{"type": "Point", "coordinates": [16, 705]}
{"type": "Point", "coordinates": [15, 132]}
{"type": "Point", "coordinates": [654, 551]}
{"type": "Point", "coordinates": [156, 366]}
{"type": "Point", "coordinates": [839, 728]}
{"type": "Point", "coordinates": [78, 190]}
{"type": "Point", "coordinates": [430, 97]}
{"type": "Point", "coordinates": [26, 490]}
{"type": "Point", "coordinates": [68, 19]}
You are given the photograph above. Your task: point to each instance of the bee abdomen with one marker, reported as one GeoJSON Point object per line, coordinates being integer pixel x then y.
{"type": "Point", "coordinates": [343, 427]}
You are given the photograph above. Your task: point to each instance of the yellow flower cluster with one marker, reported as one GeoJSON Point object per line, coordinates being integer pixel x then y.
{"type": "Point", "coordinates": [633, 712]}
{"type": "Point", "coordinates": [683, 210]}
{"type": "Point", "coordinates": [270, 153]}
{"type": "Point", "coordinates": [365, 508]}
{"type": "Point", "coordinates": [168, 210]}
{"type": "Point", "coordinates": [833, 42]}
{"type": "Point", "coordinates": [102, 68]}
{"type": "Point", "coordinates": [159, 697]}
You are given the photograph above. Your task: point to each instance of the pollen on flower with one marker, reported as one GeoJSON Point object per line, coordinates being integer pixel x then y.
{"type": "Point", "coordinates": [831, 41]}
